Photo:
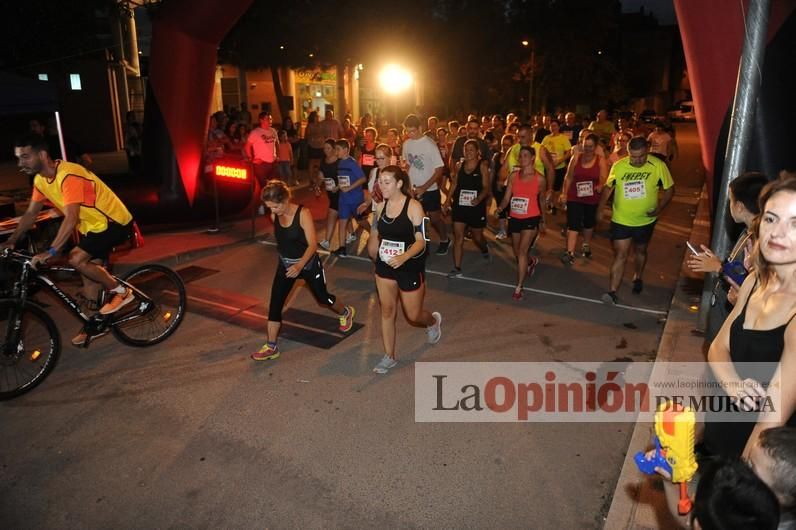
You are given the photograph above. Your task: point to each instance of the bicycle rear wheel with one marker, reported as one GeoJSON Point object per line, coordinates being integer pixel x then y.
{"type": "Point", "coordinates": [30, 347]}
{"type": "Point", "coordinates": [159, 320]}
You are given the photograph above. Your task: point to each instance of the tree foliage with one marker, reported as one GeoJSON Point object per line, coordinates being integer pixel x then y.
{"type": "Point", "coordinates": [467, 51]}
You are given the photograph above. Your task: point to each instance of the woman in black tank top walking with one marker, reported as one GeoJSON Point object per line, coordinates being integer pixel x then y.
{"type": "Point", "coordinates": [761, 328]}
{"type": "Point", "coordinates": [467, 203]}
{"type": "Point", "coordinates": [296, 244]}
{"type": "Point", "coordinates": [398, 246]}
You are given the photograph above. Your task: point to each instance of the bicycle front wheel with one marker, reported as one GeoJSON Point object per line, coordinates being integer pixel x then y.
{"type": "Point", "coordinates": [30, 347]}
{"type": "Point", "coordinates": [159, 320]}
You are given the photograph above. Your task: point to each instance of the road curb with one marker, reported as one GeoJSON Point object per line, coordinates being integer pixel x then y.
{"type": "Point", "coordinates": [180, 258]}
{"type": "Point", "coordinates": [636, 503]}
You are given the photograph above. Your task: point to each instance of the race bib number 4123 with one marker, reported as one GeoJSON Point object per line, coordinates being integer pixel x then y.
{"type": "Point", "coordinates": [389, 249]}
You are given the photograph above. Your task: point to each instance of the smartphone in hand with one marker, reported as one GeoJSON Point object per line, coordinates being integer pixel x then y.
{"type": "Point", "coordinates": [735, 271]}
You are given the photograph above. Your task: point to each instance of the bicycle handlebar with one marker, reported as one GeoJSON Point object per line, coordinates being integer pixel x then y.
{"type": "Point", "coordinates": [18, 256]}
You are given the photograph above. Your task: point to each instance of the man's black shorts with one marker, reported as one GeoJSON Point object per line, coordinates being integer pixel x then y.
{"type": "Point", "coordinates": [640, 235]}
{"type": "Point", "coordinates": [559, 178]}
{"type": "Point", "coordinates": [99, 245]}
{"type": "Point", "coordinates": [334, 200]}
{"type": "Point", "coordinates": [265, 171]}
{"type": "Point", "coordinates": [430, 201]}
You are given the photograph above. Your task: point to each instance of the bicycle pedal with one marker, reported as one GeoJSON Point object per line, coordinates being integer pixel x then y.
{"type": "Point", "coordinates": [90, 337]}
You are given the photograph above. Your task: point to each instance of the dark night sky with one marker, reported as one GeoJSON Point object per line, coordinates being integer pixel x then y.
{"type": "Point", "coordinates": [662, 9]}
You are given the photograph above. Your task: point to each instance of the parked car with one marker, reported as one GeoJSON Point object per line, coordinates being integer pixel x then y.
{"type": "Point", "coordinates": [649, 116]}
{"type": "Point", "coordinates": [683, 112]}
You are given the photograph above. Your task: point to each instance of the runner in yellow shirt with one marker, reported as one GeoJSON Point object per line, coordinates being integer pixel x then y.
{"type": "Point", "coordinates": [88, 205]}
{"type": "Point", "coordinates": [560, 150]}
{"type": "Point", "coordinates": [633, 181]}
{"type": "Point", "coordinates": [543, 164]}
{"type": "Point", "coordinates": [602, 127]}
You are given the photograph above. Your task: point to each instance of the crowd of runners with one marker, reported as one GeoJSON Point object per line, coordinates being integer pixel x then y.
{"type": "Point", "coordinates": [454, 181]}
{"type": "Point", "coordinates": [523, 176]}
{"type": "Point", "coordinates": [519, 177]}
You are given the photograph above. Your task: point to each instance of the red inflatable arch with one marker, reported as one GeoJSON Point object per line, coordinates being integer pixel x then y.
{"type": "Point", "coordinates": [185, 39]}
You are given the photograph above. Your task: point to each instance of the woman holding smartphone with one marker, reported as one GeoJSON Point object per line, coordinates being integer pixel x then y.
{"type": "Point", "coordinates": [744, 207]}
{"type": "Point", "coordinates": [757, 342]}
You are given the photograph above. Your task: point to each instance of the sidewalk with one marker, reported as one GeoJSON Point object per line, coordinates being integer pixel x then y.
{"type": "Point", "coordinates": [173, 247]}
{"type": "Point", "coordinates": [638, 502]}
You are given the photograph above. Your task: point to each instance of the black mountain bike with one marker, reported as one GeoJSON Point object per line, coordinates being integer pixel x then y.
{"type": "Point", "coordinates": [31, 343]}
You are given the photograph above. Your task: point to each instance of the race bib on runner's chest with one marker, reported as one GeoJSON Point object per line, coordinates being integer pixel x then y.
{"type": "Point", "coordinates": [519, 205]}
{"type": "Point", "coordinates": [368, 160]}
{"type": "Point", "coordinates": [584, 189]}
{"type": "Point", "coordinates": [328, 184]}
{"type": "Point", "coordinates": [634, 189]}
{"type": "Point", "coordinates": [389, 249]}
{"type": "Point", "coordinates": [466, 197]}
{"type": "Point", "coordinates": [343, 180]}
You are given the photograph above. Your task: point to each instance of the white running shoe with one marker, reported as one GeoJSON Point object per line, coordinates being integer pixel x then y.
{"type": "Point", "coordinates": [435, 331]}
{"type": "Point", "coordinates": [385, 364]}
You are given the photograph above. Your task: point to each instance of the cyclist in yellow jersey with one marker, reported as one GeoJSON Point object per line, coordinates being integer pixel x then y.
{"type": "Point", "coordinates": [88, 205]}
{"type": "Point", "coordinates": [633, 181]}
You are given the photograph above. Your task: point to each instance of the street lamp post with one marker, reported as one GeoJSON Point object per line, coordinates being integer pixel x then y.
{"type": "Point", "coordinates": [527, 44]}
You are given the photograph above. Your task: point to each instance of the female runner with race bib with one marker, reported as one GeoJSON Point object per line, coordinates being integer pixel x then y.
{"type": "Point", "coordinates": [398, 246]}
{"type": "Point", "coordinates": [585, 173]}
{"type": "Point", "coordinates": [296, 243]}
{"type": "Point", "coordinates": [523, 192]}
{"type": "Point", "coordinates": [467, 203]}
{"type": "Point", "coordinates": [327, 179]}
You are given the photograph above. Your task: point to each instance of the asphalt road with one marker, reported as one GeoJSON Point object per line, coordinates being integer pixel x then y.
{"type": "Point", "coordinates": [193, 434]}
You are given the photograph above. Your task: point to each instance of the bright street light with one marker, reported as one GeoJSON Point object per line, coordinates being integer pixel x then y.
{"type": "Point", "coordinates": [525, 43]}
{"type": "Point", "coordinates": [395, 79]}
